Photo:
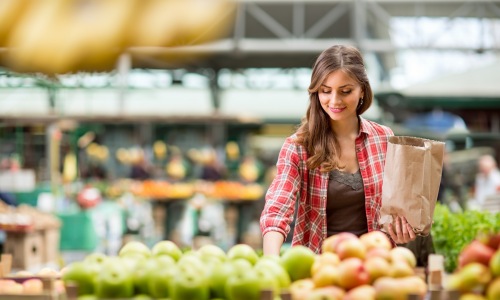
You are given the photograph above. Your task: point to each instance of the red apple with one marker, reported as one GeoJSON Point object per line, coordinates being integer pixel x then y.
{"type": "Point", "coordinates": [298, 261]}
{"type": "Point", "coordinates": [351, 248]}
{"type": "Point", "coordinates": [491, 240]}
{"type": "Point", "coordinates": [376, 239]}
{"type": "Point", "coordinates": [475, 252]}
{"type": "Point", "coordinates": [352, 273]}
{"type": "Point", "coordinates": [330, 243]}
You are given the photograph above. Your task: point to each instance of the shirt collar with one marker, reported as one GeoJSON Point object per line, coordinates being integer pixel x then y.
{"type": "Point", "coordinates": [364, 126]}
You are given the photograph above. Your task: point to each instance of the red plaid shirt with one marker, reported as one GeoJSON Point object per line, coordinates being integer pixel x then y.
{"type": "Point", "coordinates": [294, 181]}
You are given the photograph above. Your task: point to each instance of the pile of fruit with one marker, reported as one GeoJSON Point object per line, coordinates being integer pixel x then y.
{"type": "Point", "coordinates": [164, 271]}
{"type": "Point", "coordinates": [353, 268]}
{"type": "Point", "coordinates": [478, 274]}
{"type": "Point", "coordinates": [27, 283]}
{"type": "Point", "coordinates": [349, 268]}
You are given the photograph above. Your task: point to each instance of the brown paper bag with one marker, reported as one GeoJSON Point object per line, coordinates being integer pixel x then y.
{"type": "Point", "coordinates": [412, 175]}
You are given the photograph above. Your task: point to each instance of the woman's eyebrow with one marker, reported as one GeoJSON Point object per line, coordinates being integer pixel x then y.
{"type": "Point", "coordinates": [343, 86]}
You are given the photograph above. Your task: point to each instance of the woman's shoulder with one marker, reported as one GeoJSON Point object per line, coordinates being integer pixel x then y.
{"type": "Point", "coordinates": [376, 128]}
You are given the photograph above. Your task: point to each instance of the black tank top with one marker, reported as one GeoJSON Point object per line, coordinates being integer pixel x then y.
{"type": "Point", "coordinates": [345, 207]}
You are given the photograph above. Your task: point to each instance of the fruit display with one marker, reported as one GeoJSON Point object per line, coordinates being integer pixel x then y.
{"type": "Point", "coordinates": [27, 285]}
{"type": "Point", "coordinates": [478, 273]}
{"type": "Point", "coordinates": [164, 271]}
{"type": "Point", "coordinates": [349, 267]}
{"type": "Point", "coordinates": [230, 190]}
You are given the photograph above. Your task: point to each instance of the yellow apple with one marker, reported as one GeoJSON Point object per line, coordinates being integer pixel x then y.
{"type": "Point", "coordinates": [376, 239]}
{"type": "Point", "coordinates": [362, 292]}
{"type": "Point", "coordinates": [402, 253]}
{"type": "Point", "coordinates": [351, 248]}
{"type": "Point", "coordinates": [326, 275]}
{"type": "Point", "coordinates": [327, 258]}
{"type": "Point", "coordinates": [377, 267]}
{"type": "Point", "coordinates": [493, 290]}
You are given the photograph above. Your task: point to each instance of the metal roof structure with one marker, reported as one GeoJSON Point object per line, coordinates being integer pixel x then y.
{"type": "Point", "coordinates": [291, 33]}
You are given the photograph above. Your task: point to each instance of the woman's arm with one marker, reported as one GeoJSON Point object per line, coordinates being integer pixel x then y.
{"type": "Point", "coordinates": [272, 242]}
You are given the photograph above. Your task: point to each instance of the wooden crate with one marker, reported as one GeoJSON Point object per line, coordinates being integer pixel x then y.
{"type": "Point", "coordinates": [26, 249]}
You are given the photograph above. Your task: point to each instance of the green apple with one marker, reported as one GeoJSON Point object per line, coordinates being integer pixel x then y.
{"type": "Point", "coordinates": [243, 251]}
{"type": "Point", "coordinates": [275, 268]}
{"type": "Point", "coordinates": [159, 280]}
{"type": "Point", "coordinates": [82, 274]}
{"type": "Point", "coordinates": [190, 261]}
{"type": "Point", "coordinates": [244, 285]}
{"type": "Point", "coordinates": [166, 248]}
{"type": "Point", "coordinates": [218, 277]}
{"type": "Point", "coordinates": [268, 281]}
{"type": "Point", "coordinates": [95, 258]}
{"type": "Point", "coordinates": [141, 274]}
{"type": "Point", "coordinates": [190, 284]}
{"type": "Point", "coordinates": [297, 261]}
{"type": "Point", "coordinates": [211, 252]}
{"type": "Point", "coordinates": [114, 280]}
{"type": "Point", "coordinates": [134, 248]}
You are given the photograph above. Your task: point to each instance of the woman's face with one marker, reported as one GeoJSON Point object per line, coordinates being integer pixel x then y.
{"type": "Point", "coordinates": [339, 96]}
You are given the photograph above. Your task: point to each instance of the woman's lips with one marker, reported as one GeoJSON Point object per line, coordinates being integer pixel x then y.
{"type": "Point", "coordinates": [337, 109]}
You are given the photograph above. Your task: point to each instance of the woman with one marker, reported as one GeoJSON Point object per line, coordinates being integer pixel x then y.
{"type": "Point", "coordinates": [333, 164]}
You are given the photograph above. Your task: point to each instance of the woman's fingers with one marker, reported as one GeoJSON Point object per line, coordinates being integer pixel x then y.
{"type": "Point", "coordinates": [401, 232]}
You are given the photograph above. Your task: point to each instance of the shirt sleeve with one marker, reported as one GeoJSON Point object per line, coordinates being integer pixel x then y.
{"type": "Point", "coordinates": [281, 196]}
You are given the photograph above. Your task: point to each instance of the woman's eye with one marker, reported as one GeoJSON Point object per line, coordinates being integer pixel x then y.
{"type": "Point", "coordinates": [346, 91]}
{"type": "Point", "coordinates": [325, 91]}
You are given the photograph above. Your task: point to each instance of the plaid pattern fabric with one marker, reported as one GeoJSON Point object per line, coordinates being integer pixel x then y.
{"type": "Point", "coordinates": [294, 181]}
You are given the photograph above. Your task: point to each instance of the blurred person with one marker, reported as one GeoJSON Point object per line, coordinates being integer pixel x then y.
{"type": "Point", "coordinates": [212, 169]}
{"type": "Point", "coordinates": [450, 187]}
{"type": "Point", "coordinates": [332, 166]}
{"type": "Point", "coordinates": [487, 179]}
{"type": "Point", "coordinates": [140, 169]}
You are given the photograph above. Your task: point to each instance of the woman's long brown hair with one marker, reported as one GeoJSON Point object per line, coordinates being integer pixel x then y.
{"type": "Point", "coordinates": [314, 132]}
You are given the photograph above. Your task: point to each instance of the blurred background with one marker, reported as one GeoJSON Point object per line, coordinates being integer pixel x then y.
{"type": "Point", "coordinates": [150, 120]}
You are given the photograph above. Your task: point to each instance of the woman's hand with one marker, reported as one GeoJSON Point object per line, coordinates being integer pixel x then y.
{"type": "Point", "coordinates": [400, 231]}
